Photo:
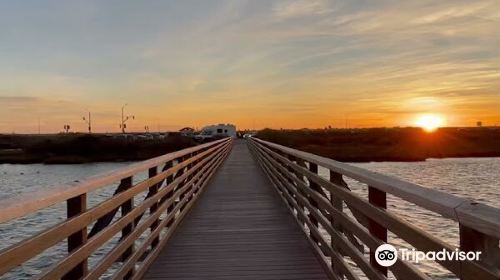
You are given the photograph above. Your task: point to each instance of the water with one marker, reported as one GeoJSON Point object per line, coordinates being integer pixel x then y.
{"type": "Point", "coordinates": [20, 178]}
{"type": "Point", "coordinates": [472, 178]}
{"type": "Point", "coordinates": [475, 178]}
{"type": "Point", "coordinates": [16, 179]}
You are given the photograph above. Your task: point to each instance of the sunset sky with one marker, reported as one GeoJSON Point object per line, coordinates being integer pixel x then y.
{"type": "Point", "coordinates": [289, 64]}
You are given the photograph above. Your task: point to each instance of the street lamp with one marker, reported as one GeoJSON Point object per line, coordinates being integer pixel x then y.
{"type": "Point", "coordinates": [88, 121]}
{"type": "Point", "coordinates": [125, 118]}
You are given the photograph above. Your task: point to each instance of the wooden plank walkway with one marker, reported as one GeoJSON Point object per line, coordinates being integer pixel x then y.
{"type": "Point", "coordinates": [239, 229]}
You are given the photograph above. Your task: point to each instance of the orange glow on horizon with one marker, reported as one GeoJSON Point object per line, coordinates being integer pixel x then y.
{"type": "Point", "coordinates": [430, 122]}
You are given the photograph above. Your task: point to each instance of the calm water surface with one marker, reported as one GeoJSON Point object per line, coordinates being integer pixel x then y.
{"type": "Point", "coordinates": [475, 178]}
{"type": "Point", "coordinates": [16, 179]}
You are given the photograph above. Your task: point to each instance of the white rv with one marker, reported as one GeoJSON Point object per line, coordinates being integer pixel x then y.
{"type": "Point", "coordinates": [216, 131]}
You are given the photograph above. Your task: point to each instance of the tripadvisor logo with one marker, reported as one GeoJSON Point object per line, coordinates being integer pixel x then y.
{"type": "Point", "coordinates": [386, 255]}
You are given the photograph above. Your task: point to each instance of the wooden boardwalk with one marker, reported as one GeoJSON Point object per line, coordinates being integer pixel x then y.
{"type": "Point", "coordinates": [233, 215]}
{"type": "Point", "coordinates": [239, 229]}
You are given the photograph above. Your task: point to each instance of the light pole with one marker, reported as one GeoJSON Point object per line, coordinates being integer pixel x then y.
{"type": "Point", "coordinates": [88, 122]}
{"type": "Point", "coordinates": [125, 118]}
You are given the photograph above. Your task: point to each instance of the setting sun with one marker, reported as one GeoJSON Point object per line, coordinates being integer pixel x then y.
{"type": "Point", "coordinates": [430, 122]}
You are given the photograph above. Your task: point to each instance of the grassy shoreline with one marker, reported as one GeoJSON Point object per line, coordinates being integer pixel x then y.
{"type": "Point", "coordinates": [347, 145]}
{"type": "Point", "coordinates": [390, 144]}
{"type": "Point", "coordinates": [86, 148]}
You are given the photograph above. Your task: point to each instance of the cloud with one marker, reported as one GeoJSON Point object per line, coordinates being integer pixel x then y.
{"type": "Point", "coordinates": [18, 99]}
{"type": "Point", "coordinates": [293, 62]}
{"type": "Point", "coordinates": [300, 8]}
{"type": "Point", "coordinates": [451, 13]}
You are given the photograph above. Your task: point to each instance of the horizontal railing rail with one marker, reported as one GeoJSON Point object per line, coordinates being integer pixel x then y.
{"type": "Point", "coordinates": [318, 206]}
{"type": "Point", "coordinates": [174, 183]}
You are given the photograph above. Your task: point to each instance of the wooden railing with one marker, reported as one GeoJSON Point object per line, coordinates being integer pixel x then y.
{"type": "Point", "coordinates": [174, 183]}
{"type": "Point", "coordinates": [318, 206]}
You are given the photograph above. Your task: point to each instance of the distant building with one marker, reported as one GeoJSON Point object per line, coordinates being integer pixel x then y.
{"type": "Point", "coordinates": [215, 131]}
{"type": "Point", "coordinates": [187, 131]}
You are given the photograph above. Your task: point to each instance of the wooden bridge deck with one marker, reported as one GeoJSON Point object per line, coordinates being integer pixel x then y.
{"type": "Point", "coordinates": [239, 229]}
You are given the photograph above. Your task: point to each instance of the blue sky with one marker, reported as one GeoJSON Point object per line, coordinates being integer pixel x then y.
{"type": "Point", "coordinates": [304, 63]}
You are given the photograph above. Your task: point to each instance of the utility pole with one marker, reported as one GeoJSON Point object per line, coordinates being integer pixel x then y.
{"type": "Point", "coordinates": [125, 118]}
{"type": "Point", "coordinates": [89, 123]}
{"type": "Point", "coordinates": [38, 125]}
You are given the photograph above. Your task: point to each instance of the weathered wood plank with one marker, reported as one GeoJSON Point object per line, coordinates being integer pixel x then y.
{"type": "Point", "coordinates": [238, 219]}
{"type": "Point", "coordinates": [75, 206]}
{"type": "Point", "coordinates": [378, 198]}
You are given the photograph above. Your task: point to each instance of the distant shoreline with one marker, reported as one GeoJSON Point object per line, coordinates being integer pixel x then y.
{"type": "Point", "coordinates": [87, 148]}
{"type": "Point", "coordinates": [346, 145]}
{"type": "Point", "coordinates": [390, 144]}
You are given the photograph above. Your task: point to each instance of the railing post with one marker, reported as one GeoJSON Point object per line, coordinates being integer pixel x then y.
{"type": "Point", "coordinates": [190, 166]}
{"type": "Point", "coordinates": [290, 180]}
{"type": "Point", "coordinates": [336, 202]}
{"type": "Point", "coordinates": [74, 207]}
{"type": "Point", "coordinates": [300, 177]}
{"type": "Point", "coordinates": [336, 178]}
{"type": "Point", "coordinates": [314, 169]}
{"type": "Point", "coordinates": [126, 207]}
{"type": "Point", "coordinates": [169, 181]}
{"type": "Point", "coordinates": [472, 240]}
{"type": "Point", "coordinates": [152, 172]}
{"type": "Point", "coordinates": [183, 183]}
{"type": "Point", "coordinates": [301, 163]}
{"type": "Point", "coordinates": [379, 199]}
